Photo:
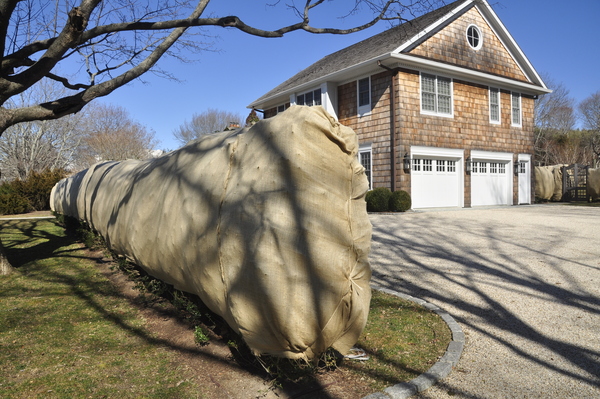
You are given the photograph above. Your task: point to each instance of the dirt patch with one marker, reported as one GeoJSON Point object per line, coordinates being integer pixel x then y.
{"type": "Point", "coordinates": [212, 366]}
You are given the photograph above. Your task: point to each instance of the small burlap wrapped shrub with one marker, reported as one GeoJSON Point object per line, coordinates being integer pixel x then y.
{"type": "Point", "coordinates": [548, 182]}
{"type": "Point", "coordinates": [593, 182]}
{"type": "Point", "coordinates": [267, 225]}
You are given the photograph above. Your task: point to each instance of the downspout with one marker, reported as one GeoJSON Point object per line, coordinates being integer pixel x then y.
{"type": "Point", "coordinates": [393, 72]}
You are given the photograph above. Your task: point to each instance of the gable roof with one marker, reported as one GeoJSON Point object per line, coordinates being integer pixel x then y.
{"type": "Point", "coordinates": [389, 46]}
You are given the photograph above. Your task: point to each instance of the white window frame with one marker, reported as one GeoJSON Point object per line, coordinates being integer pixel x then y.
{"type": "Point", "coordinates": [312, 93]}
{"type": "Point", "coordinates": [437, 95]}
{"type": "Point", "coordinates": [362, 150]}
{"type": "Point", "coordinates": [479, 36]}
{"type": "Point", "coordinates": [494, 91]}
{"type": "Point", "coordinates": [364, 109]}
{"type": "Point", "coordinates": [516, 109]}
{"type": "Point", "coordinates": [282, 107]}
{"type": "Point", "coordinates": [416, 164]}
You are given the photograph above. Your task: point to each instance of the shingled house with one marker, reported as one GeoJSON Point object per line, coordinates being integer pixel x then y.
{"type": "Point", "coordinates": [442, 105]}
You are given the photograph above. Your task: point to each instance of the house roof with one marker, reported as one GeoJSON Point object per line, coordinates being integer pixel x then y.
{"type": "Point", "coordinates": [388, 44]}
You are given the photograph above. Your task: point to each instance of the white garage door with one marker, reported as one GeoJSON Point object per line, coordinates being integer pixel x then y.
{"type": "Point", "coordinates": [491, 179]}
{"type": "Point", "coordinates": [436, 179]}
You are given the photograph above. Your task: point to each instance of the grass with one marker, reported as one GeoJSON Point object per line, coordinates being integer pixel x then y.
{"type": "Point", "coordinates": [65, 332]}
{"type": "Point", "coordinates": [402, 339]}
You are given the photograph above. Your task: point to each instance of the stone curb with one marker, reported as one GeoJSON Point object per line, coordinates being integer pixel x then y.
{"type": "Point", "coordinates": [28, 217]}
{"type": "Point", "coordinates": [441, 369]}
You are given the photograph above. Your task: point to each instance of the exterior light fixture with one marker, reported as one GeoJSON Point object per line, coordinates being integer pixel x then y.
{"type": "Point", "coordinates": [468, 165]}
{"type": "Point", "coordinates": [406, 162]}
{"type": "Point", "coordinates": [517, 166]}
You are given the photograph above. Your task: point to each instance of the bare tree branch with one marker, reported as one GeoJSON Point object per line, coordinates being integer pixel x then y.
{"type": "Point", "coordinates": [97, 31]}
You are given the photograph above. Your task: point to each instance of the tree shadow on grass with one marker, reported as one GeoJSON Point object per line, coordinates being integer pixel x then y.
{"type": "Point", "coordinates": [19, 251]}
{"type": "Point", "coordinates": [24, 256]}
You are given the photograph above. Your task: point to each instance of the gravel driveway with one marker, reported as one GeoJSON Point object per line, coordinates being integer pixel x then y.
{"type": "Point", "coordinates": [524, 284]}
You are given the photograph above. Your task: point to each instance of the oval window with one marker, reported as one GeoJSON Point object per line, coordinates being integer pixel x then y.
{"type": "Point", "coordinates": [474, 37]}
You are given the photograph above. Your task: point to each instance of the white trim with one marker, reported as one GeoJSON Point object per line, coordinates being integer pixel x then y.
{"type": "Point", "coordinates": [499, 92]}
{"type": "Point", "coordinates": [367, 108]}
{"type": "Point", "coordinates": [329, 98]}
{"type": "Point", "coordinates": [436, 112]}
{"type": "Point", "coordinates": [405, 60]}
{"type": "Point", "coordinates": [512, 116]}
{"type": "Point", "coordinates": [367, 148]}
{"type": "Point", "coordinates": [491, 155]}
{"type": "Point", "coordinates": [437, 152]}
{"type": "Point", "coordinates": [479, 39]}
{"type": "Point", "coordinates": [412, 62]}
{"type": "Point", "coordinates": [304, 92]}
{"type": "Point", "coordinates": [417, 64]}
{"type": "Point", "coordinates": [513, 46]}
{"type": "Point", "coordinates": [432, 27]}
{"type": "Point", "coordinates": [524, 180]}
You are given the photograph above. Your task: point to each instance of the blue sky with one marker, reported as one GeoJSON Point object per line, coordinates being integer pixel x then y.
{"type": "Point", "coordinates": [560, 39]}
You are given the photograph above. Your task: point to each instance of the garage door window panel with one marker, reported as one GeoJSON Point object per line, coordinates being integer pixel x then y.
{"type": "Point", "coordinates": [416, 165]}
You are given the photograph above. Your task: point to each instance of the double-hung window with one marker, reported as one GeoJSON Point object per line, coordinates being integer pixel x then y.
{"type": "Point", "coordinates": [309, 98]}
{"type": "Point", "coordinates": [494, 105]}
{"type": "Point", "coordinates": [365, 159]}
{"type": "Point", "coordinates": [436, 95]}
{"type": "Point", "coordinates": [516, 109]}
{"type": "Point", "coordinates": [364, 96]}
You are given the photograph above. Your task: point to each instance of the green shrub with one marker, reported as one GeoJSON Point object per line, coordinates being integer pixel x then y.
{"type": "Point", "coordinates": [37, 187]}
{"type": "Point", "coordinates": [32, 194]}
{"type": "Point", "coordinates": [378, 199]}
{"type": "Point", "coordinates": [13, 204]}
{"type": "Point", "coordinates": [200, 336]}
{"type": "Point", "coordinates": [400, 201]}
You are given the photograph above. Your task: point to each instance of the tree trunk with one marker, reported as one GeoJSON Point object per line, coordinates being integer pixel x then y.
{"type": "Point", "coordinates": [5, 266]}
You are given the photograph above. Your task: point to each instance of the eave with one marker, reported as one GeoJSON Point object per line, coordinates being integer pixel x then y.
{"type": "Point", "coordinates": [408, 62]}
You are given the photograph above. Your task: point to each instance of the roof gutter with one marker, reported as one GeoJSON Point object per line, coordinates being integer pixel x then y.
{"type": "Point", "coordinates": [412, 62]}
{"type": "Point", "coordinates": [409, 61]}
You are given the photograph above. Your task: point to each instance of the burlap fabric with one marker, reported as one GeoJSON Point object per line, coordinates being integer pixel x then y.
{"type": "Point", "coordinates": [267, 225]}
{"type": "Point", "coordinates": [593, 183]}
{"type": "Point", "coordinates": [548, 182]}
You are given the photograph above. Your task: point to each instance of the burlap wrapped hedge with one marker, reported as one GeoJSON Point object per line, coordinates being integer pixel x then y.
{"type": "Point", "coordinates": [593, 184]}
{"type": "Point", "coordinates": [548, 182]}
{"type": "Point", "coordinates": [267, 225]}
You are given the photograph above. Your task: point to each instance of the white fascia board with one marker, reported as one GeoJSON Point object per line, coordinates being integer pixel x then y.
{"type": "Point", "coordinates": [432, 27]}
{"type": "Point", "coordinates": [409, 62]}
{"type": "Point", "coordinates": [451, 71]}
{"type": "Point", "coordinates": [348, 74]}
{"type": "Point", "coordinates": [509, 42]}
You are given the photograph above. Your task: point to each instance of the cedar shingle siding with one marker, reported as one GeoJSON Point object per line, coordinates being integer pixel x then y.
{"type": "Point", "coordinates": [435, 44]}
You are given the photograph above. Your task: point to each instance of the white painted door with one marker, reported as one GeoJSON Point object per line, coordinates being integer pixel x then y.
{"type": "Point", "coordinates": [491, 178]}
{"type": "Point", "coordinates": [490, 183]}
{"type": "Point", "coordinates": [524, 169]}
{"type": "Point", "coordinates": [435, 182]}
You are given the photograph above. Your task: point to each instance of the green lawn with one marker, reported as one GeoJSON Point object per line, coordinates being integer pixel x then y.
{"type": "Point", "coordinates": [64, 331]}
